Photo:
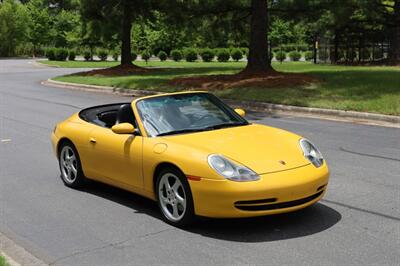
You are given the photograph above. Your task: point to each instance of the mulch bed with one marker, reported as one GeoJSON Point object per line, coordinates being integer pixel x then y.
{"type": "Point", "coordinates": [120, 70]}
{"type": "Point", "coordinates": [216, 82]}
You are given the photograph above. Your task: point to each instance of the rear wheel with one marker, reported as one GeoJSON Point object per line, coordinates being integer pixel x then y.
{"type": "Point", "coordinates": [70, 166]}
{"type": "Point", "coordinates": [174, 197]}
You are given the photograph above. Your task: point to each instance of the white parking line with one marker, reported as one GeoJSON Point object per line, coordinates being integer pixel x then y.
{"type": "Point", "coordinates": [5, 140]}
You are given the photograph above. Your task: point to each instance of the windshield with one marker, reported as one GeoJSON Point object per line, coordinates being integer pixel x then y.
{"type": "Point", "coordinates": [185, 113]}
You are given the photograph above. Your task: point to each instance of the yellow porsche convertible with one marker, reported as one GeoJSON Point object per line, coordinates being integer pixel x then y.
{"type": "Point", "coordinates": [192, 154]}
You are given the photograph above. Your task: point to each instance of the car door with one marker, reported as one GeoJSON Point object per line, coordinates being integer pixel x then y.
{"type": "Point", "coordinates": [116, 157]}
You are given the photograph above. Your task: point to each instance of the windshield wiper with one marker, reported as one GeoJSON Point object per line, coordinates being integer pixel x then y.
{"type": "Point", "coordinates": [225, 125]}
{"type": "Point", "coordinates": [188, 130]}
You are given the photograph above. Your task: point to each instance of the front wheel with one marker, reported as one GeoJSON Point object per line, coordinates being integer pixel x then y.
{"type": "Point", "coordinates": [70, 166]}
{"type": "Point", "coordinates": [174, 197]}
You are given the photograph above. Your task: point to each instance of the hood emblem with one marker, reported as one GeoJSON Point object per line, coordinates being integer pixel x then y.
{"type": "Point", "coordinates": [282, 162]}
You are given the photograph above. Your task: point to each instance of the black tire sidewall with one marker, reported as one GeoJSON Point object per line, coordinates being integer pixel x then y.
{"type": "Point", "coordinates": [189, 215]}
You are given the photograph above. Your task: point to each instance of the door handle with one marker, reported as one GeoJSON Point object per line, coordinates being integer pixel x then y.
{"type": "Point", "coordinates": [92, 140]}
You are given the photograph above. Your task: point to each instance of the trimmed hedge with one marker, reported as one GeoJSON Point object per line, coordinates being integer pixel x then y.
{"type": "Point", "coordinates": [50, 54]}
{"type": "Point", "coordinates": [115, 55]}
{"type": "Point", "coordinates": [294, 56]}
{"type": "Point", "coordinates": [223, 55]}
{"type": "Point", "coordinates": [309, 55]}
{"type": "Point", "coordinates": [207, 55]}
{"type": "Point", "coordinates": [236, 54]}
{"type": "Point", "coordinates": [176, 55]}
{"type": "Point", "coordinates": [280, 56]}
{"type": "Point", "coordinates": [102, 54]}
{"type": "Point", "coordinates": [146, 56]}
{"type": "Point", "coordinates": [190, 55]}
{"type": "Point", "coordinates": [87, 54]}
{"type": "Point", "coordinates": [71, 55]}
{"type": "Point", "coordinates": [162, 55]}
{"type": "Point", "coordinates": [61, 54]}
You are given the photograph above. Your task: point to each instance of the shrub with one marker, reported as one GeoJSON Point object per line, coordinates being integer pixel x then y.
{"type": "Point", "coordinates": [176, 55]}
{"type": "Point", "coordinates": [87, 54]}
{"type": "Point", "coordinates": [207, 55]}
{"type": "Point", "coordinates": [39, 51]}
{"type": "Point", "coordinates": [223, 55]}
{"type": "Point", "coordinates": [351, 55]}
{"type": "Point", "coordinates": [115, 55]}
{"type": "Point", "coordinates": [280, 56]}
{"type": "Point", "coordinates": [294, 55]}
{"type": "Point", "coordinates": [365, 54]}
{"type": "Point", "coordinates": [133, 56]}
{"type": "Point", "coordinates": [162, 55]}
{"type": "Point", "coordinates": [102, 54]}
{"type": "Point", "coordinates": [309, 55]}
{"type": "Point", "coordinates": [323, 54]}
{"type": "Point", "coordinates": [146, 56]}
{"type": "Point", "coordinates": [377, 53]}
{"type": "Point", "coordinates": [237, 54]}
{"type": "Point", "coordinates": [190, 55]}
{"type": "Point", "coordinates": [61, 54]}
{"type": "Point", "coordinates": [51, 54]}
{"type": "Point", "coordinates": [24, 49]}
{"type": "Point", "coordinates": [71, 55]}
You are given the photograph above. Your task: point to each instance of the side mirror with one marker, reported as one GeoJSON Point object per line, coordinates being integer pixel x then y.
{"type": "Point", "coordinates": [240, 112]}
{"type": "Point", "coordinates": [123, 128]}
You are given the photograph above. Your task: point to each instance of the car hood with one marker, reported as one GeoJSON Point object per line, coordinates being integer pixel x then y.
{"type": "Point", "coordinates": [261, 148]}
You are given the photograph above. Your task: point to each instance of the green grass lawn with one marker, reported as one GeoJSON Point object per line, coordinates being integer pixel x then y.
{"type": "Point", "coordinates": [364, 88]}
{"type": "Point", "coordinates": [3, 261]}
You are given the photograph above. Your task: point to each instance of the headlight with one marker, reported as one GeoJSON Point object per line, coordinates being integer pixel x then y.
{"type": "Point", "coordinates": [311, 152]}
{"type": "Point", "coordinates": [231, 170]}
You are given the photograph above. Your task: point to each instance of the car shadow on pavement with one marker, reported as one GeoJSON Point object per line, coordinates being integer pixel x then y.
{"type": "Point", "coordinates": [308, 221]}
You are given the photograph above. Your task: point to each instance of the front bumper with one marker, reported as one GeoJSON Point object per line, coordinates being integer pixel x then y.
{"type": "Point", "coordinates": [274, 193]}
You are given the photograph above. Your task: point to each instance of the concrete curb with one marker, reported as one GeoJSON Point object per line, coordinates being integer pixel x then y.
{"type": "Point", "coordinates": [330, 114]}
{"type": "Point", "coordinates": [17, 255]}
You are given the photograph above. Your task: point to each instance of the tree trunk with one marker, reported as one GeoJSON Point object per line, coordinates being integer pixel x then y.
{"type": "Point", "coordinates": [126, 57]}
{"type": "Point", "coordinates": [258, 62]}
{"type": "Point", "coordinates": [394, 53]}
{"type": "Point", "coordinates": [315, 50]}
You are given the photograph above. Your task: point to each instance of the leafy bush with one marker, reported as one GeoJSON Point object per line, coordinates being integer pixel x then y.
{"type": "Point", "coordinates": [51, 53]}
{"type": "Point", "coordinates": [162, 55]}
{"type": "Point", "coordinates": [176, 55]}
{"type": "Point", "coordinates": [39, 51]}
{"type": "Point", "coordinates": [133, 56]}
{"type": "Point", "coordinates": [61, 54]}
{"type": "Point", "coordinates": [24, 49]}
{"type": "Point", "coordinates": [309, 55]}
{"type": "Point", "coordinates": [280, 56]}
{"type": "Point", "coordinates": [245, 51]}
{"type": "Point", "coordinates": [237, 54]}
{"type": "Point", "coordinates": [207, 55]}
{"type": "Point", "coordinates": [323, 54]}
{"type": "Point", "coordinates": [294, 55]}
{"type": "Point", "coordinates": [351, 55]}
{"type": "Point", "coordinates": [71, 55]}
{"type": "Point", "coordinates": [377, 54]}
{"type": "Point", "coordinates": [102, 54]}
{"type": "Point", "coordinates": [223, 55]}
{"type": "Point", "coordinates": [87, 54]}
{"type": "Point", "coordinates": [365, 54]}
{"type": "Point", "coordinates": [190, 55]}
{"type": "Point", "coordinates": [146, 56]}
{"type": "Point", "coordinates": [115, 55]}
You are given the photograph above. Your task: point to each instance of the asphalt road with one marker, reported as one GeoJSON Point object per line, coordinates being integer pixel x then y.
{"type": "Point", "coordinates": [356, 223]}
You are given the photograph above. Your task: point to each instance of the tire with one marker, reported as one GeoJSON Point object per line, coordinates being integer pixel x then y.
{"type": "Point", "coordinates": [70, 166]}
{"type": "Point", "coordinates": [175, 201]}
